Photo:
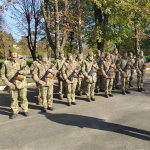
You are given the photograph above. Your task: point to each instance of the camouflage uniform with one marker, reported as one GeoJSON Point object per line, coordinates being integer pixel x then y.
{"type": "Point", "coordinates": [67, 68]}
{"type": "Point", "coordinates": [58, 65]}
{"type": "Point", "coordinates": [47, 86]}
{"type": "Point", "coordinates": [115, 58]}
{"type": "Point", "coordinates": [9, 69]}
{"type": "Point", "coordinates": [132, 71]}
{"type": "Point", "coordinates": [125, 77]}
{"type": "Point", "coordinates": [138, 65]}
{"type": "Point", "coordinates": [100, 79]}
{"type": "Point", "coordinates": [109, 81]}
{"type": "Point", "coordinates": [81, 78]}
{"type": "Point", "coordinates": [90, 83]}
{"type": "Point", "coordinates": [31, 70]}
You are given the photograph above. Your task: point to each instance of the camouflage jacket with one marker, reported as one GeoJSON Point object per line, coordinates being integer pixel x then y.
{"type": "Point", "coordinates": [87, 65]}
{"type": "Point", "coordinates": [97, 59]}
{"type": "Point", "coordinates": [39, 71]}
{"type": "Point", "coordinates": [79, 63]}
{"type": "Point", "coordinates": [67, 68]}
{"type": "Point", "coordinates": [133, 64]}
{"type": "Point", "coordinates": [34, 65]}
{"type": "Point", "coordinates": [139, 63]}
{"type": "Point", "coordinates": [105, 67]}
{"type": "Point", "coordinates": [115, 58]}
{"type": "Point", "coordinates": [10, 68]}
{"type": "Point", "coordinates": [58, 65]}
{"type": "Point", "coordinates": [121, 65]}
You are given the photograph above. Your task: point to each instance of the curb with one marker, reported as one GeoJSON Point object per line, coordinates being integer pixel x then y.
{"type": "Point", "coordinates": [28, 85]}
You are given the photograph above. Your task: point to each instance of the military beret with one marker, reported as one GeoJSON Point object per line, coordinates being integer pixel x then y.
{"type": "Point", "coordinates": [131, 53]}
{"type": "Point", "coordinates": [90, 53]}
{"type": "Point", "coordinates": [43, 55]}
{"type": "Point", "coordinates": [107, 54]}
{"type": "Point", "coordinates": [141, 52]}
{"type": "Point", "coordinates": [39, 54]}
{"type": "Point", "coordinates": [69, 54]}
{"type": "Point", "coordinates": [61, 52]}
{"type": "Point", "coordinates": [12, 49]}
{"type": "Point", "coordinates": [98, 51]}
{"type": "Point", "coordinates": [79, 55]}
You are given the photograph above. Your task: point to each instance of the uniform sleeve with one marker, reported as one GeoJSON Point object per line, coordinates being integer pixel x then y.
{"type": "Point", "coordinates": [83, 70]}
{"type": "Point", "coordinates": [35, 75]}
{"type": "Point", "coordinates": [3, 74]}
{"type": "Point", "coordinates": [55, 64]}
{"type": "Point", "coordinates": [26, 70]}
{"type": "Point", "coordinates": [118, 66]}
{"type": "Point", "coordinates": [102, 70]}
{"type": "Point", "coordinates": [136, 65]}
{"type": "Point", "coordinates": [64, 72]}
{"type": "Point", "coordinates": [54, 73]}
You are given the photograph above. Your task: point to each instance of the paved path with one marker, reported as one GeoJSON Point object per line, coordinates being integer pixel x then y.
{"type": "Point", "coordinates": [121, 122]}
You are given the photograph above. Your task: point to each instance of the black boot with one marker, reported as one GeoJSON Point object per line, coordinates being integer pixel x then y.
{"type": "Point", "coordinates": [69, 104]}
{"type": "Point", "coordinates": [107, 96]}
{"type": "Point", "coordinates": [26, 114]}
{"type": "Point", "coordinates": [44, 110]}
{"type": "Point", "coordinates": [60, 98]}
{"type": "Point", "coordinates": [74, 103]}
{"type": "Point", "coordinates": [97, 91]}
{"type": "Point", "coordinates": [123, 92]}
{"type": "Point", "coordinates": [50, 108]}
{"type": "Point", "coordinates": [14, 116]}
{"type": "Point", "coordinates": [110, 95]}
{"type": "Point", "coordinates": [127, 92]}
{"type": "Point", "coordinates": [88, 99]}
{"type": "Point", "coordinates": [79, 93]}
{"type": "Point", "coordinates": [102, 90]}
{"type": "Point", "coordinates": [142, 89]}
{"type": "Point", "coordinates": [139, 89]}
{"type": "Point", "coordinates": [92, 98]}
{"type": "Point", "coordinates": [130, 85]}
{"type": "Point", "coordinates": [117, 87]}
{"type": "Point", "coordinates": [113, 88]}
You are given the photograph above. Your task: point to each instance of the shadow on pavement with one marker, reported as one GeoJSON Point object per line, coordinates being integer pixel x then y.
{"type": "Point", "coordinates": [96, 123]}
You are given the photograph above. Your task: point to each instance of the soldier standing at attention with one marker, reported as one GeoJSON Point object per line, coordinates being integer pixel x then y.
{"type": "Point", "coordinates": [68, 67]}
{"type": "Point", "coordinates": [9, 68]}
{"type": "Point", "coordinates": [140, 66]}
{"type": "Point", "coordinates": [105, 67]}
{"type": "Point", "coordinates": [100, 78]}
{"type": "Point", "coordinates": [124, 66]}
{"type": "Point", "coordinates": [47, 85]}
{"type": "Point", "coordinates": [31, 70]}
{"type": "Point", "coordinates": [89, 70]}
{"type": "Point", "coordinates": [115, 58]}
{"type": "Point", "coordinates": [132, 70]}
{"type": "Point", "coordinates": [58, 65]}
{"type": "Point", "coordinates": [81, 78]}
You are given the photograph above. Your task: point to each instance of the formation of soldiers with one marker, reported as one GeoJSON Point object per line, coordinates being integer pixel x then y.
{"type": "Point", "coordinates": [95, 73]}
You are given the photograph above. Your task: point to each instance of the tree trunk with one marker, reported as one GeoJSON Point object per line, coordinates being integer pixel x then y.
{"type": "Point", "coordinates": [79, 28]}
{"type": "Point", "coordinates": [57, 36]}
{"type": "Point", "coordinates": [137, 39]}
{"type": "Point", "coordinates": [71, 41]}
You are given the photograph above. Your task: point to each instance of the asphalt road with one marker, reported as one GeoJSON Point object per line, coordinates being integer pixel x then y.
{"type": "Point", "coordinates": [121, 122]}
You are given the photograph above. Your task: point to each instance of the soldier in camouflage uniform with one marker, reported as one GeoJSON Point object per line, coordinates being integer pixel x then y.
{"type": "Point", "coordinates": [115, 58]}
{"type": "Point", "coordinates": [108, 77]}
{"type": "Point", "coordinates": [58, 65]}
{"type": "Point", "coordinates": [132, 70]}
{"type": "Point", "coordinates": [31, 70]}
{"type": "Point", "coordinates": [81, 78]}
{"type": "Point", "coordinates": [9, 69]}
{"type": "Point", "coordinates": [90, 79]}
{"type": "Point", "coordinates": [47, 85]}
{"type": "Point", "coordinates": [125, 75]}
{"type": "Point", "coordinates": [139, 63]}
{"type": "Point", "coordinates": [68, 67]}
{"type": "Point", "coordinates": [100, 77]}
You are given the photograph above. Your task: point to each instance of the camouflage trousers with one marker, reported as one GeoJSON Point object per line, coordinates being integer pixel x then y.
{"type": "Point", "coordinates": [116, 79]}
{"type": "Point", "coordinates": [47, 96]}
{"type": "Point", "coordinates": [124, 83]}
{"type": "Point", "coordinates": [108, 85]}
{"type": "Point", "coordinates": [71, 87]}
{"type": "Point", "coordinates": [140, 80]}
{"type": "Point", "coordinates": [90, 89]}
{"type": "Point", "coordinates": [131, 77]}
{"type": "Point", "coordinates": [81, 85]}
{"type": "Point", "coordinates": [39, 95]}
{"type": "Point", "coordinates": [23, 100]}
{"type": "Point", "coordinates": [100, 82]}
{"type": "Point", "coordinates": [62, 91]}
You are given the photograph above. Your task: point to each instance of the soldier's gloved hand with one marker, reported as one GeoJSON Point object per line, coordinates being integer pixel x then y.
{"type": "Point", "coordinates": [67, 80]}
{"type": "Point", "coordinates": [106, 76]}
{"type": "Point", "coordinates": [9, 84]}
{"type": "Point", "coordinates": [112, 65]}
{"type": "Point", "coordinates": [89, 77]}
{"type": "Point", "coordinates": [50, 70]}
{"type": "Point", "coordinates": [129, 63]}
{"type": "Point", "coordinates": [94, 66]}
{"type": "Point", "coordinates": [76, 71]}
{"type": "Point", "coordinates": [122, 72]}
{"type": "Point", "coordinates": [20, 71]}
{"type": "Point", "coordinates": [140, 72]}
{"type": "Point", "coordinates": [41, 82]}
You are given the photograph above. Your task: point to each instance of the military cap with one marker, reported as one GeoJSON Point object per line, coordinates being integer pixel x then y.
{"type": "Point", "coordinates": [79, 55]}
{"type": "Point", "coordinates": [69, 54]}
{"type": "Point", "coordinates": [107, 54]}
{"type": "Point", "coordinates": [61, 52]}
{"type": "Point", "coordinates": [98, 51]}
{"type": "Point", "coordinates": [39, 54]}
{"type": "Point", "coordinates": [90, 53]}
{"type": "Point", "coordinates": [141, 52]}
{"type": "Point", "coordinates": [12, 49]}
{"type": "Point", "coordinates": [131, 53]}
{"type": "Point", "coordinates": [43, 55]}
